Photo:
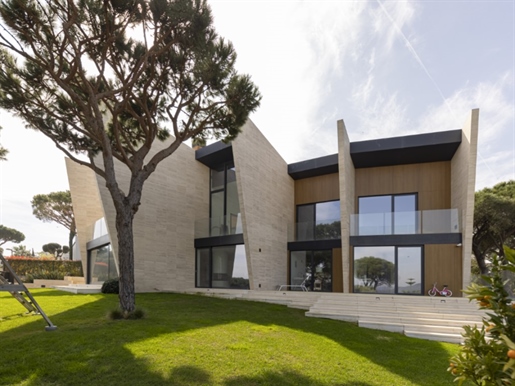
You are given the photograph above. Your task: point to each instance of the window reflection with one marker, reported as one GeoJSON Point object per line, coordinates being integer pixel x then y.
{"type": "Point", "coordinates": [101, 265]}
{"type": "Point", "coordinates": [388, 269]}
{"type": "Point", "coordinates": [319, 221]}
{"type": "Point", "coordinates": [222, 267]}
{"type": "Point", "coordinates": [311, 268]}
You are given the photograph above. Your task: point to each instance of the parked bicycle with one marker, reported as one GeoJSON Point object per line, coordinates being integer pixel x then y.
{"type": "Point", "coordinates": [444, 292]}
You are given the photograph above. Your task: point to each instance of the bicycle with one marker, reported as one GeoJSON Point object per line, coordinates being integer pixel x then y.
{"type": "Point", "coordinates": [444, 292]}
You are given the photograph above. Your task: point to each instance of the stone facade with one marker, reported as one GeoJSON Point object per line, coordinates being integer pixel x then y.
{"type": "Point", "coordinates": [266, 194]}
{"type": "Point", "coordinates": [463, 182]}
{"type": "Point", "coordinates": [347, 202]}
{"type": "Point", "coordinates": [87, 206]}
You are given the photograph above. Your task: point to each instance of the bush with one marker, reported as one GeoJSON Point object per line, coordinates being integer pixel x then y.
{"type": "Point", "coordinates": [111, 286]}
{"type": "Point", "coordinates": [485, 356]}
{"type": "Point", "coordinates": [32, 268]}
{"type": "Point", "coordinates": [119, 314]}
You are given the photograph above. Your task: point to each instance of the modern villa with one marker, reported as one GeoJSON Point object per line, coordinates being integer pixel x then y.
{"type": "Point", "coordinates": [390, 215]}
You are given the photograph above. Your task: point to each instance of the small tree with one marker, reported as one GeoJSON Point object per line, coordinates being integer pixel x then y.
{"type": "Point", "coordinates": [57, 207]}
{"type": "Point", "coordinates": [374, 271]}
{"type": "Point", "coordinates": [109, 78]}
{"type": "Point", "coordinates": [488, 354]}
{"type": "Point", "coordinates": [10, 235]}
{"type": "Point", "coordinates": [56, 249]}
{"type": "Point", "coordinates": [494, 222]}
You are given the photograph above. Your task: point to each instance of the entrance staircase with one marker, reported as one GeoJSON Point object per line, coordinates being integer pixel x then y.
{"type": "Point", "coordinates": [441, 319]}
{"type": "Point", "coordinates": [424, 317]}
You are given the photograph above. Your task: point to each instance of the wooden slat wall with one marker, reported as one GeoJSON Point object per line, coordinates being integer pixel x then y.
{"type": "Point", "coordinates": [317, 189]}
{"type": "Point", "coordinates": [442, 263]}
{"type": "Point", "coordinates": [432, 182]}
{"type": "Point", "coordinates": [337, 270]}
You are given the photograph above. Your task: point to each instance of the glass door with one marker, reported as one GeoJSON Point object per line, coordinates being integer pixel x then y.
{"type": "Point", "coordinates": [409, 270]}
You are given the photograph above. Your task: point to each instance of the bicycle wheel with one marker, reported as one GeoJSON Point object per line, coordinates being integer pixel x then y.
{"type": "Point", "coordinates": [448, 293]}
{"type": "Point", "coordinates": [431, 292]}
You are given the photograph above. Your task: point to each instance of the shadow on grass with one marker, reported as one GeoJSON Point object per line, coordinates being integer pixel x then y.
{"type": "Point", "coordinates": [87, 349]}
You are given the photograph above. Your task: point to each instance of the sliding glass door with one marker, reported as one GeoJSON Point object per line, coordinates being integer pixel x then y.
{"type": "Point", "coordinates": [388, 269]}
{"type": "Point", "coordinates": [313, 268]}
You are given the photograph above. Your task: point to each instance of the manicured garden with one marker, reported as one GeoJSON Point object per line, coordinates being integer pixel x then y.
{"type": "Point", "coordinates": [195, 340]}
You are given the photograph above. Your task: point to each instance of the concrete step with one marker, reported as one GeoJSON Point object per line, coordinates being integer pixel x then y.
{"type": "Point", "coordinates": [441, 337]}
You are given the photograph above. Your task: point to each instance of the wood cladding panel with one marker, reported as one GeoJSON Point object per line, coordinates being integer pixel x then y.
{"type": "Point", "coordinates": [337, 270]}
{"type": "Point", "coordinates": [432, 182]}
{"type": "Point", "coordinates": [442, 264]}
{"type": "Point", "coordinates": [317, 189]}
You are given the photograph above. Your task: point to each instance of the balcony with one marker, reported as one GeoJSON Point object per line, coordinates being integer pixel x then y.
{"type": "Point", "coordinates": [328, 229]}
{"type": "Point", "coordinates": [219, 226]}
{"type": "Point", "coordinates": [405, 223]}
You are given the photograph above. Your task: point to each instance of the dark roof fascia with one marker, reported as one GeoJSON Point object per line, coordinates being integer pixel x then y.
{"type": "Point", "coordinates": [215, 154]}
{"type": "Point", "coordinates": [410, 149]}
{"type": "Point", "coordinates": [417, 239]}
{"type": "Point", "coordinates": [314, 167]}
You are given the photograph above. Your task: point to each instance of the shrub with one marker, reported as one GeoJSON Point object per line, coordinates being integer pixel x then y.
{"type": "Point", "coordinates": [119, 314]}
{"type": "Point", "coordinates": [485, 356]}
{"type": "Point", "coordinates": [34, 268]}
{"type": "Point", "coordinates": [111, 286]}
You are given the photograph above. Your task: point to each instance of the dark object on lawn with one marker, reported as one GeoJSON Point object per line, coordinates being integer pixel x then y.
{"type": "Point", "coordinates": [111, 286]}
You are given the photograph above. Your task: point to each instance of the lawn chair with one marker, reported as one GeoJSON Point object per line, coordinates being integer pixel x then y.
{"type": "Point", "coordinates": [301, 286]}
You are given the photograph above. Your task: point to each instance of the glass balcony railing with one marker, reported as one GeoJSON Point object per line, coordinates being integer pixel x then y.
{"type": "Point", "coordinates": [405, 223]}
{"type": "Point", "coordinates": [219, 226]}
{"type": "Point", "coordinates": [320, 230]}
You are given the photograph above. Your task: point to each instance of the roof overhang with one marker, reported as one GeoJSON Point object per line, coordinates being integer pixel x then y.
{"type": "Point", "coordinates": [411, 149]}
{"type": "Point", "coordinates": [215, 154]}
{"type": "Point", "coordinates": [314, 167]}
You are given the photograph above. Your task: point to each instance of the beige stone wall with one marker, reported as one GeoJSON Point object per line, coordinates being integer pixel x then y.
{"type": "Point", "coordinates": [347, 191]}
{"type": "Point", "coordinates": [174, 197]}
{"type": "Point", "coordinates": [87, 206]}
{"type": "Point", "coordinates": [463, 181]}
{"type": "Point", "coordinates": [266, 194]}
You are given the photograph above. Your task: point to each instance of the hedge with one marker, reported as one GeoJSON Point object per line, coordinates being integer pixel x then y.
{"type": "Point", "coordinates": [32, 268]}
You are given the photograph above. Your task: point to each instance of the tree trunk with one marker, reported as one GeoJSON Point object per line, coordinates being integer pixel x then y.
{"type": "Point", "coordinates": [70, 244]}
{"type": "Point", "coordinates": [124, 218]}
{"type": "Point", "coordinates": [480, 258]}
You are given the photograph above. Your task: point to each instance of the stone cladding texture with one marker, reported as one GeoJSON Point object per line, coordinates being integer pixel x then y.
{"type": "Point", "coordinates": [347, 193]}
{"type": "Point", "coordinates": [87, 206]}
{"type": "Point", "coordinates": [266, 194]}
{"type": "Point", "coordinates": [463, 181]}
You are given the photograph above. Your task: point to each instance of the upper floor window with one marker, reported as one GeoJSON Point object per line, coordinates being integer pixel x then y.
{"type": "Point", "coordinates": [225, 218]}
{"type": "Point", "coordinates": [318, 221]}
{"type": "Point", "coordinates": [389, 214]}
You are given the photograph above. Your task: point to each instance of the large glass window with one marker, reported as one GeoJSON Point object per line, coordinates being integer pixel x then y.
{"type": "Point", "coordinates": [225, 218]}
{"type": "Point", "coordinates": [222, 267]}
{"type": "Point", "coordinates": [386, 215]}
{"type": "Point", "coordinates": [101, 265]}
{"type": "Point", "coordinates": [319, 221]}
{"type": "Point", "coordinates": [388, 269]}
{"type": "Point", "coordinates": [313, 268]}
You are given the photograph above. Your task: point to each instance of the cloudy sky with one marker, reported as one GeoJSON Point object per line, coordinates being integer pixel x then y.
{"type": "Point", "coordinates": [388, 68]}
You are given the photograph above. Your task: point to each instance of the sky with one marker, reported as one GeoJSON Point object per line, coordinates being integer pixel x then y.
{"type": "Point", "coordinates": [387, 68]}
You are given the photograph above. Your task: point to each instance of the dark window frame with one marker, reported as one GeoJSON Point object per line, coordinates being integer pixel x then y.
{"type": "Point", "coordinates": [396, 258]}
{"type": "Point", "coordinates": [314, 220]}
{"type": "Point", "coordinates": [392, 205]}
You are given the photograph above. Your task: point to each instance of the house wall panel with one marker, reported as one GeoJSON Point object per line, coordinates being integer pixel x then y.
{"type": "Point", "coordinates": [443, 264]}
{"type": "Point", "coordinates": [317, 189]}
{"type": "Point", "coordinates": [266, 194]}
{"type": "Point", "coordinates": [174, 198]}
{"type": "Point", "coordinates": [430, 180]}
{"type": "Point", "coordinates": [337, 270]}
{"type": "Point", "coordinates": [87, 206]}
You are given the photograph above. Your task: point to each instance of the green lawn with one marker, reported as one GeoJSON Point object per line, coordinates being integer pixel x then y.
{"type": "Point", "coordinates": [195, 340]}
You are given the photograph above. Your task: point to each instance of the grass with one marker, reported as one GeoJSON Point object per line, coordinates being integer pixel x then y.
{"type": "Point", "coordinates": [194, 340]}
